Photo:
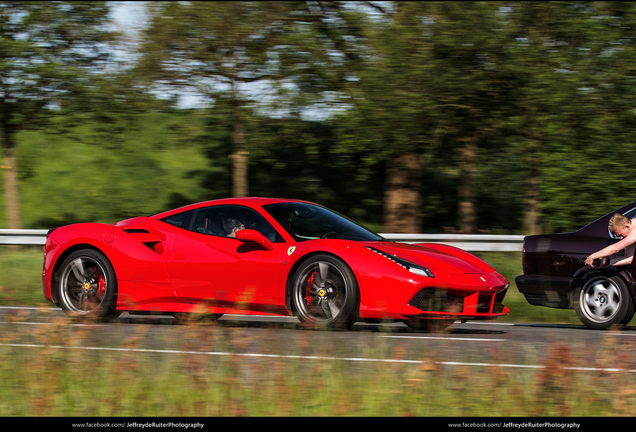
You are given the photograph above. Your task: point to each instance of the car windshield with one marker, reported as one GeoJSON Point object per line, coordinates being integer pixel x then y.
{"type": "Point", "coordinates": [308, 222]}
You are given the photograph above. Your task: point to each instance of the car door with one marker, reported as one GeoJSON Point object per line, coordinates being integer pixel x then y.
{"type": "Point", "coordinates": [205, 265]}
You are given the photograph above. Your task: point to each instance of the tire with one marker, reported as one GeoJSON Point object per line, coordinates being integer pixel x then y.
{"type": "Point", "coordinates": [325, 293]}
{"type": "Point", "coordinates": [87, 286]}
{"type": "Point", "coordinates": [429, 325]}
{"type": "Point", "coordinates": [602, 302]}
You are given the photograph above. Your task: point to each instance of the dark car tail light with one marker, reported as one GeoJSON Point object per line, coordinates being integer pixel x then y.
{"type": "Point", "coordinates": [523, 256]}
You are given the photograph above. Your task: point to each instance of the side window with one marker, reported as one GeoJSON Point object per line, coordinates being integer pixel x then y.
{"type": "Point", "coordinates": [224, 220]}
{"type": "Point", "coordinates": [207, 221]}
{"type": "Point", "coordinates": [181, 220]}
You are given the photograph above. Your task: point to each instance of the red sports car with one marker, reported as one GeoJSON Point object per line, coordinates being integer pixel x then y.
{"type": "Point", "coordinates": [264, 256]}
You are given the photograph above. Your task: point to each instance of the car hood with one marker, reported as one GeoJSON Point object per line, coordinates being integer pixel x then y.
{"type": "Point", "coordinates": [436, 257]}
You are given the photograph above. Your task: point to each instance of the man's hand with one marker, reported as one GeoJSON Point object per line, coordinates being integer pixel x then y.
{"type": "Point", "coordinates": [596, 262]}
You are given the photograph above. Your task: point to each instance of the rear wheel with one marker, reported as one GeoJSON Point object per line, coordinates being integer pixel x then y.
{"type": "Point", "coordinates": [603, 302]}
{"type": "Point", "coordinates": [87, 286]}
{"type": "Point", "coordinates": [325, 293]}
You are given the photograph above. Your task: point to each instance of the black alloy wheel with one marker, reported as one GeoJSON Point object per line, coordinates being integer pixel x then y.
{"type": "Point", "coordinates": [87, 286]}
{"type": "Point", "coordinates": [325, 293]}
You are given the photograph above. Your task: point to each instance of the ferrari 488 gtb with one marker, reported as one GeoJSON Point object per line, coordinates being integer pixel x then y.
{"type": "Point", "coordinates": [264, 256]}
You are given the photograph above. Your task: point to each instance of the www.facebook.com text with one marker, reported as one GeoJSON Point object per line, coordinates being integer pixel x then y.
{"type": "Point", "coordinates": [139, 425]}
{"type": "Point", "coordinates": [516, 425]}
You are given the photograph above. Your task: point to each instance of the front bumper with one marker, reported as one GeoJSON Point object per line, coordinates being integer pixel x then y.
{"type": "Point", "coordinates": [467, 297]}
{"type": "Point", "coordinates": [448, 304]}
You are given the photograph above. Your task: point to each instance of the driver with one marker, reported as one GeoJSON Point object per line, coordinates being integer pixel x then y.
{"type": "Point", "coordinates": [622, 227]}
{"type": "Point", "coordinates": [231, 226]}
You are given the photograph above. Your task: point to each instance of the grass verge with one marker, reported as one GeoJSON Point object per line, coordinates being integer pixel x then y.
{"type": "Point", "coordinates": [52, 377]}
{"type": "Point", "coordinates": [57, 376]}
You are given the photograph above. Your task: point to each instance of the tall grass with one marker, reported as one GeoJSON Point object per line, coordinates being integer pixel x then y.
{"type": "Point", "coordinates": [21, 276]}
{"type": "Point", "coordinates": [59, 376]}
{"type": "Point", "coordinates": [47, 380]}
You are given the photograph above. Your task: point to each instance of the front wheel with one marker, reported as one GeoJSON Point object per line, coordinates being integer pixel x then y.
{"type": "Point", "coordinates": [325, 293]}
{"type": "Point", "coordinates": [603, 302]}
{"type": "Point", "coordinates": [87, 286]}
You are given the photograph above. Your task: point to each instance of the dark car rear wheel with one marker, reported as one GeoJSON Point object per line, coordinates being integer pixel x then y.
{"type": "Point", "coordinates": [87, 286]}
{"type": "Point", "coordinates": [602, 302]}
{"type": "Point", "coordinates": [325, 293]}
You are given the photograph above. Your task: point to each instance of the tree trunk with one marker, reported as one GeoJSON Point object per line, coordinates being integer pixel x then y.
{"type": "Point", "coordinates": [240, 161]}
{"type": "Point", "coordinates": [402, 199]}
{"type": "Point", "coordinates": [240, 157]}
{"type": "Point", "coordinates": [11, 193]}
{"type": "Point", "coordinates": [531, 216]}
{"type": "Point", "coordinates": [467, 187]}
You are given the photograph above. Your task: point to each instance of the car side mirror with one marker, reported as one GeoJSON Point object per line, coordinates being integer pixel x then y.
{"type": "Point", "coordinates": [250, 235]}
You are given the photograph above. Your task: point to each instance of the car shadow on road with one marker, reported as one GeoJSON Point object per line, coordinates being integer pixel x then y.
{"type": "Point", "coordinates": [572, 326]}
{"type": "Point", "coordinates": [290, 323]}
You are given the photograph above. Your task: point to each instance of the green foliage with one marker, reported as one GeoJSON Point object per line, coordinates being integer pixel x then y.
{"type": "Point", "coordinates": [300, 161]}
{"type": "Point", "coordinates": [102, 171]}
{"type": "Point", "coordinates": [47, 52]}
{"type": "Point", "coordinates": [544, 89]}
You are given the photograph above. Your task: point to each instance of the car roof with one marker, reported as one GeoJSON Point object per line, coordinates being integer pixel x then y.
{"type": "Point", "coordinates": [247, 201]}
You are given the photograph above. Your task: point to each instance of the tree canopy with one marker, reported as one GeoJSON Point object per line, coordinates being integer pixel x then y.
{"type": "Point", "coordinates": [507, 117]}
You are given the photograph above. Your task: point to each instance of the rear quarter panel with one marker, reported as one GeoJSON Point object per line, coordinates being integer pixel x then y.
{"type": "Point", "coordinates": [132, 260]}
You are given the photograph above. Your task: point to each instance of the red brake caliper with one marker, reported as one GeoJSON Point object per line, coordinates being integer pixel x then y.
{"type": "Point", "coordinates": [102, 284]}
{"type": "Point", "coordinates": [310, 284]}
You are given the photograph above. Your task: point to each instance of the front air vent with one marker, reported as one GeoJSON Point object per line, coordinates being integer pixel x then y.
{"type": "Point", "coordinates": [498, 306]}
{"type": "Point", "coordinates": [436, 300]}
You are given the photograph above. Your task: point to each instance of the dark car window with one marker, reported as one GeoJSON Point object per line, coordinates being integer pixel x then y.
{"type": "Point", "coordinates": [630, 214]}
{"type": "Point", "coordinates": [219, 220]}
{"type": "Point", "coordinates": [307, 221]}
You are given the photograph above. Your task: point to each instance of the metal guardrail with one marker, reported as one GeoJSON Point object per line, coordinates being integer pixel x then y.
{"type": "Point", "coordinates": [22, 237]}
{"type": "Point", "coordinates": [468, 242]}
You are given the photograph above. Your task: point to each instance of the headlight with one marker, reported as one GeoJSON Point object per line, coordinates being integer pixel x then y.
{"type": "Point", "coordinates": [412, 267]}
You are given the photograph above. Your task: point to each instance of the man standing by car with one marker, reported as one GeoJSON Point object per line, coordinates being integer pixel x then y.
{"type": "Point", "coordinates": [623, 228]}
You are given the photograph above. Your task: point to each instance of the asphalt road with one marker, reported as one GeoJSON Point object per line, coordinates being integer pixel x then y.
{"type": "Point", "coordinates": [474, 344]}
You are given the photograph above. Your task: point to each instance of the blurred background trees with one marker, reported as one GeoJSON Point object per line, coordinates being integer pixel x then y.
{"type": "Point", "coordinates": [48, 52]}
{"type": "Point", "coordinates": [503, 117]}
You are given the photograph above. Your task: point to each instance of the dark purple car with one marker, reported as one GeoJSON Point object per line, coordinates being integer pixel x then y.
{"type": "Point", "coordinates": [554, 274]}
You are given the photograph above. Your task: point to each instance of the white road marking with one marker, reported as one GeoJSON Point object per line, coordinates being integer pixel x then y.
{"type": "Point", "coordinates": [446, 338]}
{"type": "Point", "coordinates": [403, 337]}
{"type": "Point", "coordinates": [280, 356]}
{"type": "Point", "coordinates": [46, 323]}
